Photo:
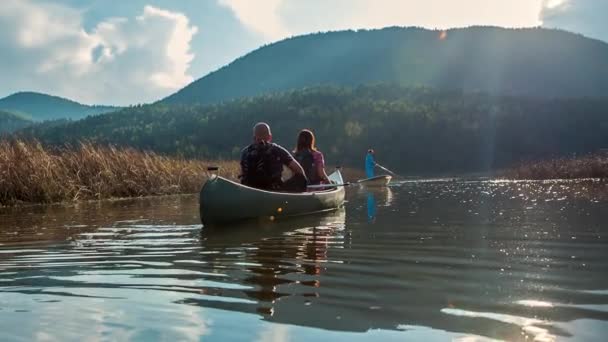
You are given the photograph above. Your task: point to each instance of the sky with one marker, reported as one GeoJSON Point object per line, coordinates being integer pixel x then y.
{"type": "Point", "coordinates": [139, 51]}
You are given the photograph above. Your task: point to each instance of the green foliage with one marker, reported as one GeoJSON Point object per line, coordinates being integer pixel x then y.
{"type": "Point", "coordinates": [10, 122]}
{"type": "Point", "coordinates": [530, 62]}
{"type": "Point", "coordinates": [414, 130]}
{"type": "Point", "coordinates": [41, 107]}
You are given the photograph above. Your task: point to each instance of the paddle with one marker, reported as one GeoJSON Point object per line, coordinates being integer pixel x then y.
{"type": "Point", "coordinates": [387, 170]}
{"type": "Point", "coordinates": [327, 185]}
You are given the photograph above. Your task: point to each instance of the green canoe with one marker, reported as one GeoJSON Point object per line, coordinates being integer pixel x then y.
{"type": "Point", "coordinates": [223, 201]}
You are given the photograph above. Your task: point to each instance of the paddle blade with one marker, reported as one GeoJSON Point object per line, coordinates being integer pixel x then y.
{"type": "Point", "coordinates": [320, 186]}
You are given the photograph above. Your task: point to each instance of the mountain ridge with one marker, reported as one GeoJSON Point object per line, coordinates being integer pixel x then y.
{"type": "Point", "coordinates": [526, 61]}
{"type": "Point", "coordinates": [40, 107]}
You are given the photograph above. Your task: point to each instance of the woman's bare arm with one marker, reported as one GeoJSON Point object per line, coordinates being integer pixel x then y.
{"type": "Point", "coordinates": [322, 174]}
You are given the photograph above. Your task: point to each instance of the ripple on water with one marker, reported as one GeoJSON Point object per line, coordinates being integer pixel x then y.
{"type": "Point", "coordinates": [441, 259]}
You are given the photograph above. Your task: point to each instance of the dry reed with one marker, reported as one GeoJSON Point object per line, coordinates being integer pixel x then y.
{"type": "Point", "coordinates": [593, 166]}
{"type": "Point", "coordinates": [32, 173]}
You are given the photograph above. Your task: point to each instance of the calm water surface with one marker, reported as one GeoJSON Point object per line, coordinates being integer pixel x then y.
{"type": "Point", "coordinates": [435, 260]}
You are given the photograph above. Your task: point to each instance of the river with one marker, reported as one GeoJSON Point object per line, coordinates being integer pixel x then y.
{"type": "Point", "coordinates": [426, 260]}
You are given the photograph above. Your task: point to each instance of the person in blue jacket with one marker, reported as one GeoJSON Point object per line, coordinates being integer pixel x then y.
{"type": "Point", "coordinates": [370, 164]}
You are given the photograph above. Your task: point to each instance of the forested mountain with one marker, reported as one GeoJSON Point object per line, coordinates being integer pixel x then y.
{"type": "Point", "coordinates": [414, 130]}
{"type": "Point", "coordinates": [530, 62]}
{"type": "Point", "coordinates": [40, 107]}
{"type": "Point", "coordinates": [10, 122]}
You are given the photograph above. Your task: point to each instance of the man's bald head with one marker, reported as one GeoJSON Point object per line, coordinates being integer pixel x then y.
{"type": "Point", "coordinates": [261, 132]}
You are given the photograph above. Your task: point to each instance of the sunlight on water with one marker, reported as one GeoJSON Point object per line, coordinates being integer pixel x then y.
{"type": "Point", "coordinates": [528, 325]}
{"type": "Point", "coordinates": [535, 303]}
{"type": "Point", "coordinates": [441, 259]}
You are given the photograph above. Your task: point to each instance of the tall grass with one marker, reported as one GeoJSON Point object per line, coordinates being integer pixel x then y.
{"type": "Point", "coordinates": [593, 166]}
{"type": "Point", "coordinates": [32, 173]}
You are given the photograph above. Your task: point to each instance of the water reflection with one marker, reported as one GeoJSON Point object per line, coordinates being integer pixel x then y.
{"type": "Point", "coordinates": [371, 207]}
{"type": "Point", "coordinates": [384, 195]}
{"type": "Point", "coordinates": [441, 260]}
{"type": "Point", "coordinates": [278, 259]}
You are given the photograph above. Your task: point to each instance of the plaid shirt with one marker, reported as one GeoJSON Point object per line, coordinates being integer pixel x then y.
{"type": "Point", "coordinates": [262, 165]}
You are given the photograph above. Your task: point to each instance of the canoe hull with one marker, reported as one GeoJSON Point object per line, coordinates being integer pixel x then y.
{"type": "Point", "coordinates": [223, 201]}
{"type": "Point", "coordinates": [377, 181]}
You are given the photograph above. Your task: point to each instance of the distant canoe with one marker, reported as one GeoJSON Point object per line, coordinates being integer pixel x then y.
{"type": "Point", "coordinates": [377, 181]}
{"type": "Point", "coordinates": [223, 201]}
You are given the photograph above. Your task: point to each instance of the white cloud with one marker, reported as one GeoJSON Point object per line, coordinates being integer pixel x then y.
{"type": "Point", "coordinates": [587, 17]}
{"type": "Point", "coordinates": [120, 61]}
{"type": "Point", "coordinates": [276, 19]}
{"type": "Point", "coordinates": [261, 16]}
{"type": "Point", "coordinates": [446, 14]}
{"type": "Point", "coordinates": [552, 3]}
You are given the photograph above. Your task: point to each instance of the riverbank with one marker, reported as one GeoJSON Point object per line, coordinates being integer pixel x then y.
{"type": "Point", "coordinates": [592, 166]}
{"type": "Point", "coordinates": [32, 173]}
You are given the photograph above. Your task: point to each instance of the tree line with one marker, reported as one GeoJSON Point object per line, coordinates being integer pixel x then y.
{"type": "Point", "coordinates": [415, 130]}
